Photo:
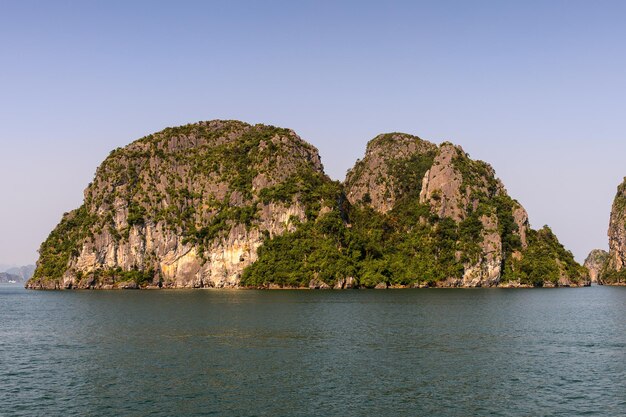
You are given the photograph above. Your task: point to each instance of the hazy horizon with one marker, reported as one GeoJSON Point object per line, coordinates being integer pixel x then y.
{"type": "Point", "coordinates": [535, 89]}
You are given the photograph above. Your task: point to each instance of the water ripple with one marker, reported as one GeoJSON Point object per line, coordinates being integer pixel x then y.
{"type": "Point", "coordinates": [483, 352]}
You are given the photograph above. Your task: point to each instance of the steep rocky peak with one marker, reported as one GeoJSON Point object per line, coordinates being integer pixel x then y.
{"type": "Point", "coordinates": [595, 263]}
{"type": "Point", "coordinates": [617, 232]}
{"type": "Point", "coordinates": [398, 165]}
{"type": "Point", "coordinates": [393, 165]}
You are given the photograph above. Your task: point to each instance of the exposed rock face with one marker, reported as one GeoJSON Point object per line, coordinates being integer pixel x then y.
{"type": "Point", "coordinates": [595, 263]}
{"type": "Point", "coordinates": [346, 283]}
{"type": "Point", "coordinates": [615, 269]}
{"type": "Point", "coordinates": [520, 216]}
{"type": "Point", "coordinates": [441, 186]}
{"type": "Point", "coordinates": [186, 207]}
{"type": "Point", "coordinates": [448, 191]}
{"type": "Point", "coordinates": [487, 271]}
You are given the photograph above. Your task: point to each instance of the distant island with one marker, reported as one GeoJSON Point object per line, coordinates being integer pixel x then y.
{"type": "Point", "coordinates": [6, 278]}
{"type": "Point", "coordinates": [595, 263]}
{"type": "Point", "coordinates": [228, 204]}
{"type": "Point", "coordinates": [12, 275]}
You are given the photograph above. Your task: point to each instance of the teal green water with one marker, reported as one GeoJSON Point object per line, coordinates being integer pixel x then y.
{"type": "Point", "coordinates": [431, 352]}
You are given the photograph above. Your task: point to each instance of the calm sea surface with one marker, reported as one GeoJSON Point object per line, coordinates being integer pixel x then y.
{"type": "Point", "coordinates": [433, 352]}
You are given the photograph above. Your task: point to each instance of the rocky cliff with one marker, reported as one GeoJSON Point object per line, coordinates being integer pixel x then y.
{"type": "Point", "coordinates": [595, 263]}
{"type": "Point", "coordinates": [615, 268]}
{"type": "Point", "coordinates": [226, 204]}
{"type": "Point", "coordinates": [186, 207]}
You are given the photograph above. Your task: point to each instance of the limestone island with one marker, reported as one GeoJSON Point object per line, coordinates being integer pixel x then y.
{"type": "Point", "coordinates": [225, 204]}
{"type": "Point", "coordinates": [609, 268]}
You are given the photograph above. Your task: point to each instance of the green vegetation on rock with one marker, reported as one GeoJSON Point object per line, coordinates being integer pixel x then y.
{"type": "Point", "coordinates": [544, 261]}
{"type": "Point", "coordinates": [317, 249]}
{"type": "Point", "coordinates": [63, 243]}
{"type": "Point", "coordinates": [411, 245]}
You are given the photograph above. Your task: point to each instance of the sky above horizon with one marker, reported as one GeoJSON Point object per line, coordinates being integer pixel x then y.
{"type": "Point", "coordinates": [535, 88]}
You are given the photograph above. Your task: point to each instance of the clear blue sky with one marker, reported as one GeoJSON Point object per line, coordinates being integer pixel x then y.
{"type": "Point", "coordinates": [536, 88]}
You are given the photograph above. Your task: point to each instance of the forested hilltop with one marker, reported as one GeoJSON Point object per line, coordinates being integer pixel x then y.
{"type": "Point", "coordinates": [228, 204]}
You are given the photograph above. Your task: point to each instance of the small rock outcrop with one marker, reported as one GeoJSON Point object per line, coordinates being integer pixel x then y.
{"type": "Point", "coordinates": [595, 264]}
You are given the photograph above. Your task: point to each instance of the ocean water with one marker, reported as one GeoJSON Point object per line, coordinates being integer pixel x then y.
{"type": "Point", "coordinates": [428, 352]}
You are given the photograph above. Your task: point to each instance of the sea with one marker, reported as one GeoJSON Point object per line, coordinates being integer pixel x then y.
{"type": "Point", "coordinates": [410, 352]}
